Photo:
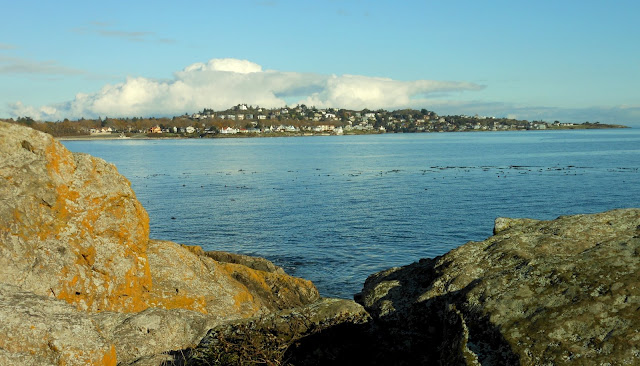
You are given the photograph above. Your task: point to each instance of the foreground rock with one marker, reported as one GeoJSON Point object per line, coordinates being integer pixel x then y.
{"type": "Point", "coordinates": [71, 227]}
{"type": "Point", "coordinates": [536, 293]}
{"type": "Point", "coordinates": [285, 337]}
{"type": "Point", "coordinates": [80, 281]}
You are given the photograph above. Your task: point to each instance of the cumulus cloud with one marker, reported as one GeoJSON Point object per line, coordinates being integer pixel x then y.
{"type": "Point", "coordinates": [357, 92]}
{"type": "Point", "coordinates": [222, 83]}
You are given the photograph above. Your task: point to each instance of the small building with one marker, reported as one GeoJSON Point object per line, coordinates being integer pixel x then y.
{"type": "Point", "coordinates": [229, 131]}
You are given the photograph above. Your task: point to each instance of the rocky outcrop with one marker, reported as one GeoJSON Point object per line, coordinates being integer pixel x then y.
{"type": "Point", "coordinates": [82, 283]}
{"type": "Point", "coordinates": [70, 225]}
{"type": "Point", "coordinates": [285, 337]}
{"type": "Point", "coordinates": [191, 279]}
{"type": "Point", "coordinates": [535, 293]}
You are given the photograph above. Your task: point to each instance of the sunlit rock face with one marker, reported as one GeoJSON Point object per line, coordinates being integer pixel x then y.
{"type": "Point", "coordinates": [71, 227]}
{"type": "Point", "coordinates": [82, 283]}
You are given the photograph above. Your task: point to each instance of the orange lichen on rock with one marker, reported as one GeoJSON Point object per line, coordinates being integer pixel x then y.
{"type": "Point", "coordinates": [71, 226]}
{"type": "Point", "coordinates": [59, 160]}
{"type": "Point", "coordinates": [109, 358]}
{"type": "Point", "coordinates": [273, 290]}
{"type": "Point", "coordinates": [180, 301]}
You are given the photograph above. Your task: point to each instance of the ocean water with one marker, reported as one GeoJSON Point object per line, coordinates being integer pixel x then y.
{"type": "Point", "coordinates": [335, 209]}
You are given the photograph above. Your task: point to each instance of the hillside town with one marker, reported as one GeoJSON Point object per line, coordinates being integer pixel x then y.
{"type": "Point", "coordinates": [247, 120]}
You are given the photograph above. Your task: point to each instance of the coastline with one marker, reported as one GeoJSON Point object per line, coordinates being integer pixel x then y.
{"type": "Point", "coordinates": [141, 136]}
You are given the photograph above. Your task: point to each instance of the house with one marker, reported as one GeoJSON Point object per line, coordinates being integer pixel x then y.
{"type": "Point", "coordinates": [190, 129]}
{"type": "Point", "coordinates": [101, 131]}
{"type": "Point", "coordinates": [155, 129]}
{"type": "Point", "coordinates": [228, 130]}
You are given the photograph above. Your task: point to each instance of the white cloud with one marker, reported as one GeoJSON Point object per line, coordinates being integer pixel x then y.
{"type": "Point", "coordinates": [222, 83]}
{"type": "Point", "coordinates": [225, 64]}
{"type": "Point", "coordinates": [357, 92]}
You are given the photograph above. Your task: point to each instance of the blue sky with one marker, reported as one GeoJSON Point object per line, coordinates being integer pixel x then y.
{"type": "Point", "coordinates": [566, 60]}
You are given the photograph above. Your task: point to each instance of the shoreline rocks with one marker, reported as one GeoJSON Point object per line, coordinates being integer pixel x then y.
{"type": "Point", "coordinates": [82, 283]}
{"type": "Point", "coordinates": [537, 292]}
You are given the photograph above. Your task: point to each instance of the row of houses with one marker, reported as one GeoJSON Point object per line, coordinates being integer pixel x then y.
{"type": "Point", "coordinates": [284, 128]}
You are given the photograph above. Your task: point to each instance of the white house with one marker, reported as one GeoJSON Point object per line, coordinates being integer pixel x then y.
{"type": "Point", "coordinates": [229, 130]}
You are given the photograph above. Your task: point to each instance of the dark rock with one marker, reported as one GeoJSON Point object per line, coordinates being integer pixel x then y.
{"type": "Point", "coordinates": [537, 293]}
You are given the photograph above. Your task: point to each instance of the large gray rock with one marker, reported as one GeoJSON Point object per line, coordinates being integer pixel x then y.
{"type": "Point", "coordinates": [536, 293]}
{"type": "Point", "coordinates": [41, 330]}
{"type": "Point", "coordinates": [152, 333]}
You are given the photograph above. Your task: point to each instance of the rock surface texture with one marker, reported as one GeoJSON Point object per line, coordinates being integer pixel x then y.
{"type": "Point", "coordinates": [536, 293]}
{"type": "Point", "coordinates": [82, 283]}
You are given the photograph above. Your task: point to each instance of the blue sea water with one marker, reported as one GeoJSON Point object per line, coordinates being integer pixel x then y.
{"type": "Point", "coordinates": [335, 209]}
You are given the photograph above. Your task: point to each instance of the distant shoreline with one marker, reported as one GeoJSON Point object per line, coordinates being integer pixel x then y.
{"type": "Point", "coordinates": [141, 136]}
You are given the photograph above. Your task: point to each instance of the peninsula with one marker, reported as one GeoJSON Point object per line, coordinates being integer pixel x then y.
{"type": "Point", "coordinates": [244, 120]}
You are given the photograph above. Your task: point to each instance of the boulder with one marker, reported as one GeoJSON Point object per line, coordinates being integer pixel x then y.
{"type": "Point", "coordinates": [536, 293]}
{"type": "Point", "coordinates": [70, 225]}
{"type": "Point", "coordinates": [82, 283]}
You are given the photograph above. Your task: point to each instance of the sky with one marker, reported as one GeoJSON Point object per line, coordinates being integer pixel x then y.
{"type": "Point", "coordinates": [566, 60]}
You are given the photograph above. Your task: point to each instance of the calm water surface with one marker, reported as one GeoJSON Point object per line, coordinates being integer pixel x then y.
{"type": "Point", "coordinates": [336, 209]}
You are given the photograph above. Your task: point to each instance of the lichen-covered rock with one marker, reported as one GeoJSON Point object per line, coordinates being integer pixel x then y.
{"type": "Point", "coordinates": [152, 332]}
{"type": "Point", "coordinates": [70, 225]}
{"type": "Point", "coordinates": [41, 330]}
{"type": "Point", "coordinates": [188, 278]}
{"type": "Point", "coordinates": [257, 263]}
{"type": "Point", "coordinates": [536, 293]}
{"type": "Point", "coordinates": [80, 281]}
